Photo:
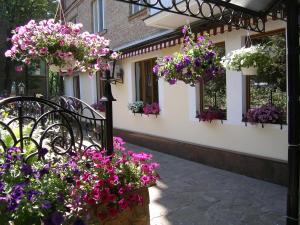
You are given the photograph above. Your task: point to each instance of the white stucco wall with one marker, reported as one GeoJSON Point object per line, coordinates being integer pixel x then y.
{"type": "Point", "coordinates": [178, 108]}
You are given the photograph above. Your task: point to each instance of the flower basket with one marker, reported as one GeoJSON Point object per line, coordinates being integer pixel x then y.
{"type": "Point", "coordinates": [196, 62]}
{"type": "Point", "coordinates": [62, 45]}
{"type": "Point", "coordinates": [248, 60]}
{"type": "Point", "coordinates": [249, 71]}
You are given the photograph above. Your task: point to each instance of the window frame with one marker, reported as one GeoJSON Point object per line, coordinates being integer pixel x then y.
{"type": "Point", "coordinates": [76, 82]}
{"type": "Point", "coordinates": [201, 84]}
{"type": "Point", "coordinates": [99, 18]}
{"type": "Point", "coordinates": [133, 12]}
{"type": "Point", "coordinates": [248, 78]}
{"type": "Point", "coordinates": [146, 67]}
{"type": "Point", "coordinates": [99, 85]}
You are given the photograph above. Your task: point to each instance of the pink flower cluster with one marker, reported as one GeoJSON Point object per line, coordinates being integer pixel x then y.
{"type": "Point", "coordinates": [151, 108]}
{"type": "Point", "coordinates": [62, 45]}
{"type": "Point", "coordinates": [109, 184]}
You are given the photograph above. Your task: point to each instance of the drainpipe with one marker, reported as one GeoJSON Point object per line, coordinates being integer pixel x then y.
{"type": "Point", "coordinates": [293, 112]}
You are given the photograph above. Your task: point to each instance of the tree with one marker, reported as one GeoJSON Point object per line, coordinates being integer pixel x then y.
{"type": "Point", "coordinates": [17, 12]}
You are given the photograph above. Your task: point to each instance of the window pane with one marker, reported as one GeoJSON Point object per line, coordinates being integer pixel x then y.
{"type": "Point", "coordinates": [95, 16]}
{"type": "Point", "coordinates": [270, 87]}
{"type": "Point", "coordinates": [100, 85]}
{"type": "Point", "coordinates": [214, 93]}
{"type": "Point", "coordinates": [146, 82]}
{"type": "Point", "coordinates": [101, 15]}
{"type": "Point", "coordinates": [76, 86]}
{"type": "Point", "coordinates": [138, 81]}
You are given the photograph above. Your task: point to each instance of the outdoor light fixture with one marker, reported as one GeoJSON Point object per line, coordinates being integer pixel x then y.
{"type": "Point", "coordinates": [116, 72]}
{"type": "Point", "coordinates": [21, 89]}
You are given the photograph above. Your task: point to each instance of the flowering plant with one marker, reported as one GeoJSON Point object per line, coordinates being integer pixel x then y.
{"type": "Point", "coordinates": [140, 107]}
{"type": "Point", "coordinates": [197, 61]}
{"type": "Point", "coordinates": [265, 114]}
{"type": "Point", "coordinates": [31, 191]}
{"type": "Point", "coordinates": [212, 113]}
{"type": "Point", "coordinates": [99, 186]}
{"type": "Point", "coordinates": [99, 106]}
{"type": "Point", "coordinates": [253, 56]}
{"type": "Point", "coordinates": [110, 185]}
{"type": "Point", "coordinates": [62, 45]}
{"type": "Point", "coordinates": [151, 108]}
{"type": "Point", "coordinates": [136, 107]}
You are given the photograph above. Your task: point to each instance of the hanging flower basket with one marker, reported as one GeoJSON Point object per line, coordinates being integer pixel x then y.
{"type": "Point", "coordinates": [198, 61]}
{"type": "Point", "coordinates": [248, 71]}
{"type": "Point", "coordinates": [61, 45]}
{"type": "Point", "coordinates": [248, 60]}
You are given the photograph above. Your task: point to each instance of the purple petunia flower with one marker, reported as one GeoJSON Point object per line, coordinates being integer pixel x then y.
{"type": "Point", "coordinates": [186, 60]}
{"type": "Point", "coordinates": [46, 205]}
{"type": "Point", "coordinates": [26, 169]}
{"type": "Point", "coordinates": [172, 81]}
{"type": "Point", "coordinates": [57, 218]}
{"type": "Point", "coordinates": [155, 69]}
{"type": "Point", "coordinates": [179, 66]}
{"type": "Point", "coordinates": [42, 152]}
{"type": "Point", "coordinates": [197, 62]}
{"type": "Point", "coordinates": [31, 194]}
{"type": "Point", "coordinates": [43, 171]}
{"type": "Point", "coordinates": [185, 29]}
{"type": "Point", "coordinates": [168, 58]}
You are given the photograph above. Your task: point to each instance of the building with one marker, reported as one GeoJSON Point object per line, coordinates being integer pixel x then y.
{"type": "Point", "coordinates": [143, 35]}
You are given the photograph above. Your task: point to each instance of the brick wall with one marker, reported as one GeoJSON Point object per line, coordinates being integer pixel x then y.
{"type": "Point", "coordinates": [121, 28]}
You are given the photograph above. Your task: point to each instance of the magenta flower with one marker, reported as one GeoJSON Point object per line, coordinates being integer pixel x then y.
{"type": "Point", "coordinates": [19, 68]}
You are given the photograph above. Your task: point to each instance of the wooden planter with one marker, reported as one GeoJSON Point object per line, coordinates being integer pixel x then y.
{"type": "Point", "coordinates": [139, 215]}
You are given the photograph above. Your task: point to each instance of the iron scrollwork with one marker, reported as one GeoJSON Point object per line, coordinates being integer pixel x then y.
{"type": "Point", "coordinates": [216, 11]}
{"type": "Point", "coordinates": [57, 126]}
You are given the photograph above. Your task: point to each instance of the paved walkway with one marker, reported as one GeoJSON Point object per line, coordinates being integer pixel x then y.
{"type": "Point", "coordinates": [193, 194]}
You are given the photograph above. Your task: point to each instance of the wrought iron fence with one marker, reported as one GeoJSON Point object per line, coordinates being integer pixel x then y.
{"type": "Point", "coordinates": [62, 125]}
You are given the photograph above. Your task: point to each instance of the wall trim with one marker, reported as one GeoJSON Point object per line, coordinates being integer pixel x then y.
{"type": "Point", "coordinates": [263, 168]}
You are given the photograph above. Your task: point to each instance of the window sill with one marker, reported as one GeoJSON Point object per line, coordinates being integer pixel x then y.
{"type": "Point", "coordinates": [148, 115]}
{"type": "Point", "coordinates": [141, 13]}
{"type": "Point", "coordinates": [256, 124]}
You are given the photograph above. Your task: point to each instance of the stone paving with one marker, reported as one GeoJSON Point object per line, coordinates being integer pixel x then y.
{"type": "Point", "coordinates": [190, 193]}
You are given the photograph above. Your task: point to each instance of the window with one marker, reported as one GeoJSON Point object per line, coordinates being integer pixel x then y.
{"type": "Point", "coordinates": [98, 15]}
{"type": "Point", "coordinates": [213, 92]}
{"type": "Point", "coordinates": [145, 82]}
{"type": "Point", "coordinates": [136, 8]}
{"type": "Point", "coordinates": [269, 87]}
{"type": "Point", "coordinates": [99, 85]}
{"type": "Point", "coordinates": [76, 86]}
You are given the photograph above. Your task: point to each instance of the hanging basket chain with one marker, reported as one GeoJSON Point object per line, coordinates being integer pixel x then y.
{"type": "Point", "coordinates": [59, 14]}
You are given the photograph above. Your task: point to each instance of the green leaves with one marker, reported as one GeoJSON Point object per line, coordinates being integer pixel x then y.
{"type": "Point", "coordinates": [17, 12]}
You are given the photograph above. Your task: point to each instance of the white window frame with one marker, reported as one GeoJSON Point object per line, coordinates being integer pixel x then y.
{"type": "Point", "coordinates": [137, 7]}
{"type": "Point", "coordinates": [97, 18]}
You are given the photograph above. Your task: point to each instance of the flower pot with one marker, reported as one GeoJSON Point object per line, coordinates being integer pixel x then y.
{"type": "Point", "coordinates": [138, 215]}
{"type": "Point", "coordinates": [249, 71]}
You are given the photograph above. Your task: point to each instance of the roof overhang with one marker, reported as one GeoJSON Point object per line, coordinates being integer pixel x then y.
{"type": "Point", "coordinates": [245, 14]}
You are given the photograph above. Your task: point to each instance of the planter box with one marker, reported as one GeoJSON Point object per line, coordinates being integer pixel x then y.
{"type": "Point", "coordinates": [138, 215]}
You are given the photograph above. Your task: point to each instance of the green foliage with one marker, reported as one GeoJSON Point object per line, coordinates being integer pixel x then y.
{"type": "Point", "coordinates": [17, 12]}
{"type": "Point", "coordinates": [215, 90]}
{"type": "Point", "coordinates": [274, 75]}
